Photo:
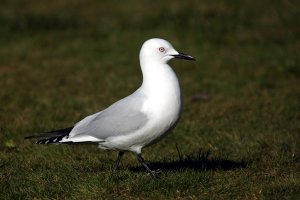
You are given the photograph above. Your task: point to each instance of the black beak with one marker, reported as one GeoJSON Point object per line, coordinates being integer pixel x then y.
{"type": "Point", "coordinates": [183, 56]}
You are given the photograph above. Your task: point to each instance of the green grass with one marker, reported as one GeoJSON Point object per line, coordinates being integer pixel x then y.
{"type": "Point", "coordinates": [60, 61]}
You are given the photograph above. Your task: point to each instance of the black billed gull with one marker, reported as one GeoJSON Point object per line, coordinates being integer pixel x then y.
{"type": "Point", "coordinates": [139, 119]}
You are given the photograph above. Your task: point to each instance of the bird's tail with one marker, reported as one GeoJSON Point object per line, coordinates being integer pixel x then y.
{"type": "Point", "coordinates": [51, 136]}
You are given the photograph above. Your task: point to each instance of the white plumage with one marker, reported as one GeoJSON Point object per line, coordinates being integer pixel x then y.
{"type": "Point", "coordinates": [140, 118]}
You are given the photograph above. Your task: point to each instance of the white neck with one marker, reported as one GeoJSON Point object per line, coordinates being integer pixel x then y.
{"type": "Point", "coordinates": [162, 92]}
{"type": "Point", "coordinates": [160, 81]}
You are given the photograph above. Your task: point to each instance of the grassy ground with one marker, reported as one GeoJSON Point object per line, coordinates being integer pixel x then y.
{"type": "Point", "coordinates": [239, 134]}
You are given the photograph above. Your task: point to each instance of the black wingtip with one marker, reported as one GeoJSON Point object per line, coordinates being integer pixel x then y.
{"type": "Point", "coordinates": [51, 140]}
{"type": "Point", "coordinates": [65, 130]}
{"type": "Point", "coordinates": [59, 132]}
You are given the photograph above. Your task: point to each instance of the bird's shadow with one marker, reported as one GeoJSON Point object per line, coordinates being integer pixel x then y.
{"type": "Point", "coordinates": [200, 161]}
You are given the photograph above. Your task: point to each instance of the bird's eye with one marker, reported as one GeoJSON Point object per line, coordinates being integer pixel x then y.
{"type": "Point", "coordinates": [161, 49]}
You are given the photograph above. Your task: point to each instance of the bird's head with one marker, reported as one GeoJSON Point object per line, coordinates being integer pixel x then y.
{"type": "Point", "coordinates": [159, 50]}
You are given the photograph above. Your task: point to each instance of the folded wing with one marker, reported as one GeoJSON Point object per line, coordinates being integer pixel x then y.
{"type": "Point", "coordinates": [121, 118]}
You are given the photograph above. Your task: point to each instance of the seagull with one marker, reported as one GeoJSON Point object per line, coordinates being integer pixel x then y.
{"type": "Point", "coordinates": [137, 120]}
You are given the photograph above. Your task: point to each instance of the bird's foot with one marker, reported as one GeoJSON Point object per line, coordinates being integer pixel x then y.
{"type": "Point", "coordinates": [155, 174]}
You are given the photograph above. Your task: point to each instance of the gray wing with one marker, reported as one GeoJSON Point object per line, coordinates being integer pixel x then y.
{"type": "Point", "coordinates": [121, 118]}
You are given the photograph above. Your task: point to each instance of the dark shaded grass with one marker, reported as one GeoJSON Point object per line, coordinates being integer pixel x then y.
{"type": "Point", "coordinates": [60, 61]}
{"type": "Point", "coordinates": [200, 161]}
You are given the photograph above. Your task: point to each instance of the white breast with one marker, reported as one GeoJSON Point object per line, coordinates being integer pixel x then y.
{"type": "Point", "coordinates": [162, 106]}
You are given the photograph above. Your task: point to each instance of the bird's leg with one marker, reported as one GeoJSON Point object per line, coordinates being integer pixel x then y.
{"type": "Point", "coordinates": [141, 160]}
{"type": "Point", "coordinates": [117, 163]}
